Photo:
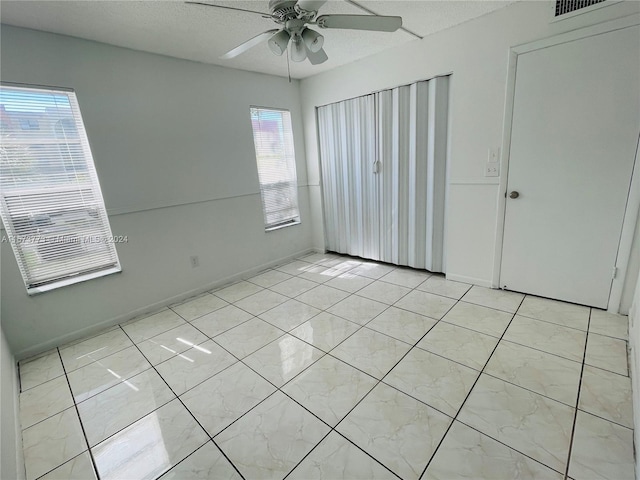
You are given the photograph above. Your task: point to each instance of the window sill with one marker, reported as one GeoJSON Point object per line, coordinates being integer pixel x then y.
{"type": "Point", "coordinates": [70, 281]}
{"type": "Point", "coordinates": [278, 227]}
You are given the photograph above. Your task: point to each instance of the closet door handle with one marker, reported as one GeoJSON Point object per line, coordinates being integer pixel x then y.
{"type": "Point", "coordinates": [376, 166]}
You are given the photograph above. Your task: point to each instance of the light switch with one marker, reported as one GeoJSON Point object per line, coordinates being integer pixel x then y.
{"type": "Point", "coordinates": [494, 155]}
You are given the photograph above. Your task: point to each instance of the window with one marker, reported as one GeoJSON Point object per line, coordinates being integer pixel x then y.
{"type": "Point", "coordinates": [50, 199]}
{"type": "Point", "coordinates": [273, 139]}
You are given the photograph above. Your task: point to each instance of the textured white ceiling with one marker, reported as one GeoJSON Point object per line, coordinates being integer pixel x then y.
{"type": "Point", "coordinates": [203, 34]}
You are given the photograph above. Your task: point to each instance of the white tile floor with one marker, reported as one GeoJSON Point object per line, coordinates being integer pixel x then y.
{"type": "Point", "coordinates": [330, 367]}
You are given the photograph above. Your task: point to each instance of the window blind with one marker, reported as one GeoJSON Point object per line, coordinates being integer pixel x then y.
{"type": "Point", "coordinates": [50, 200]}
{"type": "Point", "coordinates": [275, 156]}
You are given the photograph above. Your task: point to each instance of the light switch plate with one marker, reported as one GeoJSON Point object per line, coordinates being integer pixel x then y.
{"type": "Point", "coordinates": [493, 155]}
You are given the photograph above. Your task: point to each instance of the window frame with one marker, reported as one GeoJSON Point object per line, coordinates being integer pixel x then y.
{"type": "Point", "coordinates": [9, 228]}
{"type": "Point", "coordinates": [296, 220]}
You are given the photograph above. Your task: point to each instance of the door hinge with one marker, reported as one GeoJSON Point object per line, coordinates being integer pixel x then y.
{"type": "Point", "coordinates": [615, 272]}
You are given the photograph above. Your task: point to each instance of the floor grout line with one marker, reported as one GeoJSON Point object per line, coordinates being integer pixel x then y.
{"type": "Point", "coordinates": [528, 389]}
{"type": "Point", "coordinates": [540, 350]}
{"type": "Point", "coordinates": [309, 452]}
{"type": "Point", "coordinates": [556, 323]}
{"type": "Point", "coordinates": [603, 418]}
{"type": "Point", "coordinates": [435, 452]}
{"type": "Point", "coordinates": [507, 446]}
{"type": "Point", "coordinates": [151, 366]}
{"type": "Point", "coordinates": [177, 397]}
{"type": "Point", "coordinates": [575, 414]}
{"type": "Point", "coordinates": [379, 381]}
{"type": "Point", "coordinates": [84, 433]}
{"type": "Point", "coordinates": [241, 360]}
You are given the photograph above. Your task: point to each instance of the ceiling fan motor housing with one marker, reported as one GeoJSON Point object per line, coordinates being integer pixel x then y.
{"type": "Point", "coordinates": [283, 9]}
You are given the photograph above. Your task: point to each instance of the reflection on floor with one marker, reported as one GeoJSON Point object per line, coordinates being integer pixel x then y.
{"type": "Point", "coordinates": [331, 367]}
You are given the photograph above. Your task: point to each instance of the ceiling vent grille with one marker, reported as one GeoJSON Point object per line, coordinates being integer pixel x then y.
{"type": "Point", "coordinates": [568, 6]}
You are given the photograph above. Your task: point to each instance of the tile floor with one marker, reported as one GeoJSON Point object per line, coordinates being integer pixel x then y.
{"type": "Point", "coordinates": [331, 367]}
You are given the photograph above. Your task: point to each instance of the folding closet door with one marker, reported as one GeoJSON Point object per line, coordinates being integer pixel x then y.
{"type": "Point", "coordinates": [383, 162]}
{"type": "Point", "coordinates": [347, 145]}
{"type": "Point", "coordinates": [412, 150]}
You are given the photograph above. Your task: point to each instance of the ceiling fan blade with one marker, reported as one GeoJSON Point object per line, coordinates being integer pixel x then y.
{"type": "Point", "coordinates": [376, 23]}
{"type": "Point", "coordinates": [310, 5]}
{"type": "Point", "coordinates": [243, 47]}
{"type": "Point", "coordinates": [265, 15]}
{"type": "Point", "coordinates": [316, 58]}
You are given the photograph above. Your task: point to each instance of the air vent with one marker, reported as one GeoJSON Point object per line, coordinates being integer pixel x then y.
{"type": "Point", "coordinates": [567, 6]}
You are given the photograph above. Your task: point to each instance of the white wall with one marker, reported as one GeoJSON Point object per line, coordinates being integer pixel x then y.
{"type": "Point", "coordinates": [174, 153]}
{"type": "Point", "coordinates": [633, 269]}
{"type": "Point", "coordinates": [11, 461]}
{"type": "Point", "coordinates": [476, 53]}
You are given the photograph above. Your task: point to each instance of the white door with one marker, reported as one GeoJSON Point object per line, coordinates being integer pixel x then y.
{"type": "Point", "coordinates": [576, 121]}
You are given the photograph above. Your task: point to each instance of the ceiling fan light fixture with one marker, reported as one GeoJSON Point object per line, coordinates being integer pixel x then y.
{"type": "Point", "coordinates": [279, 41]}
{"type": "Point", "coordinates": [298, 50]}
{"type": "Point", "coordinates": [313, 40]}
{"type": "Point", "coordinates": [293, 16]}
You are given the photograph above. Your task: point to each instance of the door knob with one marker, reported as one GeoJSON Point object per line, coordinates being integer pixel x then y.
{"type": "Point", "coordinates": [514, 194]}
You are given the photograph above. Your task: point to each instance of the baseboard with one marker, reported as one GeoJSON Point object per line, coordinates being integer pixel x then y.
{"type": "Point", "coordinates": [635, 392]}
{"type": "Point", "coordinates": [20, 466]}
{"type": "Point", "coordinates": [147, 309]}
{"type": "Point", "coordinates": [634, 364]}
{"type": "Point", "coordinates": [472, 280]}
{"type": "Point", "coordinates": [12, 463]}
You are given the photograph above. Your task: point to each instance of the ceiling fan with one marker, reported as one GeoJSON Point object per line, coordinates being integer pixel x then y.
{"type": "Point", "coordinates": [294, 16]}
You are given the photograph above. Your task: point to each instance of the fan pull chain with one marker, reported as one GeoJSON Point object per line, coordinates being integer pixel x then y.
{"type": "Point", "coordinates": [288, 67]}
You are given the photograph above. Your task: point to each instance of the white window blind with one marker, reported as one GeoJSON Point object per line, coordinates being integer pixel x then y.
{"type": "Point", "coordinates": [273, 139]}
{"type": "Point", "coordinates": [50, 200]}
